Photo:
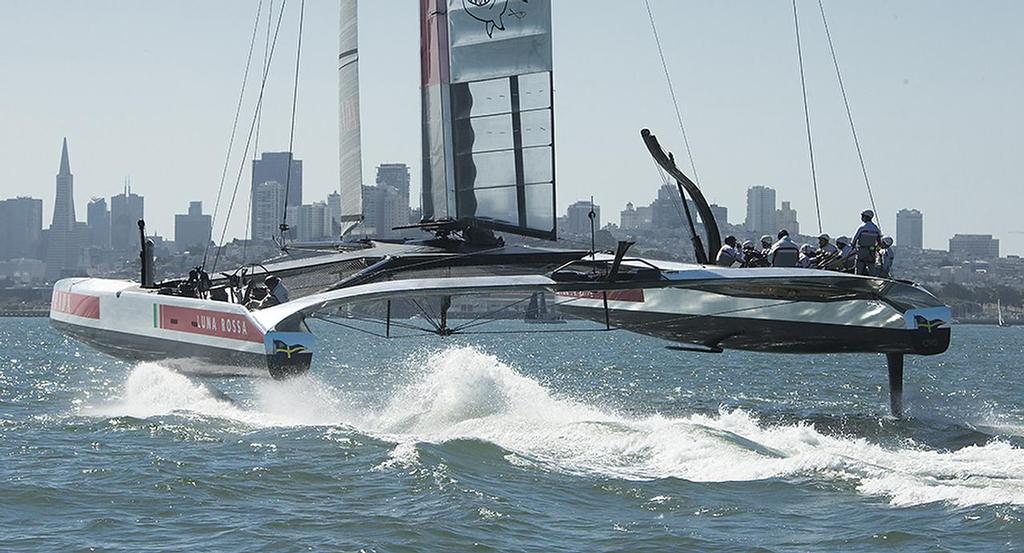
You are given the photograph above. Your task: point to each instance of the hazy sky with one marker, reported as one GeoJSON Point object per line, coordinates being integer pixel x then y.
{"type": "Point", "coordinates": [148, 89]}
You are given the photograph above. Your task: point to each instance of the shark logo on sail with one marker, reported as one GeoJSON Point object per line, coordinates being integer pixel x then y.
{"type": "Point", "coordinates": [492, 12]}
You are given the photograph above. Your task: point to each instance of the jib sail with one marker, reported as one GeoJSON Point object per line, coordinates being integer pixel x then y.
{"type": "Point", "coordinates": [488, 126]}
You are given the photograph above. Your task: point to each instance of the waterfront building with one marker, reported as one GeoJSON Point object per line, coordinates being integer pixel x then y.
{"type": "Point", "coordinates": [910, 229]}
{"type": "Point", "coordinates": [577, 218]}
{"type": "Point", "coordinates": [971, 247]}
{"type": "Point", "coordinates": [98, 223]}
{"type": "Point", "coordinates": [21, 228]}
{"type": "Point", "coordinates": [126, 209]}
{"type": "Point", "coordinates": [761, 210]}
{"type": "Point", "coordinates": [63, 248]}
{"type": "Point", "coordinates": [193, 230]}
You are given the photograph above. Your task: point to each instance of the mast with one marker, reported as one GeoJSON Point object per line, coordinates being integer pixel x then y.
{"type": "Point", "coordinates": [349, 151]}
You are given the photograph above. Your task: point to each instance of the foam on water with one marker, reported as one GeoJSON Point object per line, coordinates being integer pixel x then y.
{"type": "Point", "coordinates": [466, 394]}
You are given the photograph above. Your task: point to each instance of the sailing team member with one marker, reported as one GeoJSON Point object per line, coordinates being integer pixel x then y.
{"type": "Point", "coordinates": [825, 247]}
{"type": "Point", "coordinates": [729, 255]}
{"type": "Point", "coordinates": [753, 257]}
{"type": "Point", "coordinates": [766, 245]}
{"type": "Point", "coordinates": [844, 261]}
{"type": "Point", "coordinates": [276, 291]}
{"type": "Point", "coordinates": [784, 252]}
{"type": "Point", "coordinates": [807, 257]}
{"type": "Point", "coordinates": [885, 258]}
{"type": "Point", "coordinates": [867, 240]}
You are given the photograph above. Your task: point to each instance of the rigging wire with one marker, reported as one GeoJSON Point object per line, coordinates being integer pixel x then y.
{"type": "Point", "coordinates": [248, 142]}
{"type": "Point", "coordinates": [672, 91]}
{"type": "Point", "coordinates": [846, 102]}
{"type": "Point", "coordinates": [234, 124]}
{"type": "Point", "coordinates": [291, 130]}
{"type": "Point", "coordinates": [807, 114]}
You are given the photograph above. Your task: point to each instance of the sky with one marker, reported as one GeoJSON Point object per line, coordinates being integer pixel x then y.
{"type": "Point", "coordinates": [148, 90]}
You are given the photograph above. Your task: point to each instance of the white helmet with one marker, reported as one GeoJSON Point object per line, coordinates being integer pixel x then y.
{"type": "Point", "coordinates": [887, 241]}
{"type": "Point", "coordinates": [807, 249]}
{"type": "Point", "coordinates": [748, 244]}
{"type": "Point", "coordinates": [767, 239]}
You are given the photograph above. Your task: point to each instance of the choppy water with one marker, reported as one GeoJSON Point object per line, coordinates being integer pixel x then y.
{"type": "Point", "coordinates": [590, 441]}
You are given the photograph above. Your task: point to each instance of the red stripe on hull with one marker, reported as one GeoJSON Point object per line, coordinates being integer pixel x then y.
{"type": "Point", "coordinates": [79, 305]}
{"type": "Point", "coordinates": [209, 323]}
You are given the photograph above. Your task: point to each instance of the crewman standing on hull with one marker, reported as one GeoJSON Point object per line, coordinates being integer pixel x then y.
{"type": "Point", "coordinates": [867, 241]}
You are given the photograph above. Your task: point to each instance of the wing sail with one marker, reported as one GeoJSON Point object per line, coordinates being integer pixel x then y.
{"type": "Point", "coordinates": [488, 119]}
{"type": "Point", "coordinates": [349, 155]}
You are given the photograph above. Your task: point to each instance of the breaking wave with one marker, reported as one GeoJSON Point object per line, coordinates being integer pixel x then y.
{"type": "Point", "coordinates": [463, 393]}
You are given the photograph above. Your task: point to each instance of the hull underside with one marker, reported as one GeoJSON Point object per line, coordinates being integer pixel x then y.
{"type": "Point", "coordinates": [183, 356]}
{"type": "Point", "coordinates": [775, 336]}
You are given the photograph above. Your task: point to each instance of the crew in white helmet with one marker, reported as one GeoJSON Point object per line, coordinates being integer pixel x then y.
{"type": "Point", "coordinates": [729, 254]}
{"type": "Point", "coordinates": [753, 256]}
{"type": "Point", "coordinates": [807, 257]}
{"type": "Point", "coordinates": [885, 258]}
{"type": "Point", "coordinates": [844, 260]}
{"type": "Point", "coordinates": [867, 241]}
{"type": "Point", "coordinates": [766, 244]}
{"type": "Point", "coordinates": [784, 252]}
{"type": "Point", "coordinates": [825, 247]}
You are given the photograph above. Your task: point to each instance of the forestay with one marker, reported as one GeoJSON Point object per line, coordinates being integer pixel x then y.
{"type": "Point", "coordinates": [488, 136]}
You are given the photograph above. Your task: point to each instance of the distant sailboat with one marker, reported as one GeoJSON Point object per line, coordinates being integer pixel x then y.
{"type": "Point", "coordinates": [999, 313]}
{"type": "Point", "coordinates": [538, 312]}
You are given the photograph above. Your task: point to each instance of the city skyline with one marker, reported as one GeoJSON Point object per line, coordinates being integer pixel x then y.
{"type": "Point", "coordinates": [386, 204]}
{"type": "Point", "coordinates": [933, 114]}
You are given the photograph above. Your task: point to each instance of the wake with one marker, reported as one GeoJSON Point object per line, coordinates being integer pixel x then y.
{"type": "Point", "coordinates": [463, 393]}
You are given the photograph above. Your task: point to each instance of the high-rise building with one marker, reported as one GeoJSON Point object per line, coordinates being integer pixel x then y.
{"type": "Point", "coordinates": [193, 230]}
{"type": "Point", "coordinates": [761, 210]}
{"type": "Point", "coordinates": [21, 228]}
{"type": "Point", "coordinates": [785, 218]}
{"type": "Point", "coordinates": [334, 214]}
{"type": "Point", "coordinates": [973, 247]}
{"type": "Point", "coordinates": [98, 222]}
{"type": "Point", "coordinates": [396, 175]}
{"type": "Point", "coordinates": [667, 210]}
{"type": "Point", "coordinates": [629, 219]}
{"type": "Point", "coordinates": [309, 222]}
{"type": "Point", "coordinates": [721, 214]}
{"type": "Point", "coordinates": [392, 210]}
{"type": "Point", "coordinates": [274, 166]}
{"type": "Point", "coordinates": [577, 218]}
{"type": "Point", "coordinates": [910, 229]}
{"type": "Point", "coordinates": [267, 209]}
{"type": "Point", "coordinates": [63, 248]}
{"type": "Point", "coordinates": [126, 209]}
{"type": "Point", "coordinates": [370, 209]}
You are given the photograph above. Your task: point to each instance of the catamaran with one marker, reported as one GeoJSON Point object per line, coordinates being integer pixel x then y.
{"type": "Point", "coordinates": [488, 152]}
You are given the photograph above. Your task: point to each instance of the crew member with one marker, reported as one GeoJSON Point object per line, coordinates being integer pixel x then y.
{"type": "Point", "coordinates": [276, 291]}
{"type": "Point", "coordinates": [844, 260]}
{"type": "Point", "coordinates": [885, 258]}
{"type": "Point", "coordinates": [784, 252]}
{"type": "Point", "coordinates": [766, 244]}
{"type": "Point", "coordinates": [825, 247]}
{"type": "Point", "coordinates": [729, 255]}
{"type": "Point", "coordinates": [752, 257]}
{"type": "Point", "coordinates": [866, 241]}
{"type": "Point", "coordinates": [808, 255]}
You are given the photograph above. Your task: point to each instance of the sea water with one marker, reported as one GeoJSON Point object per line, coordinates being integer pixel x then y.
{"type": "Point", "coordinates": [518, 440]}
